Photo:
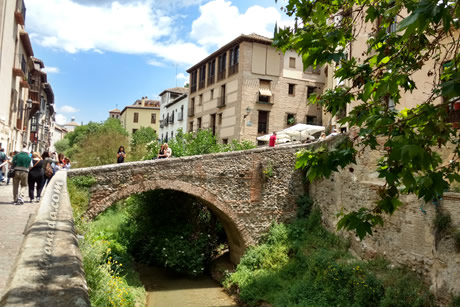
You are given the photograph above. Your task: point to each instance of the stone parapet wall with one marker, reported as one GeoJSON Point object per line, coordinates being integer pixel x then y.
{"type": "Point", "coordinates": [233, 185]}
{"type": "Point", "coordinates": [49, 269]}
{"type": "Point", "coordinates": [408, 236]}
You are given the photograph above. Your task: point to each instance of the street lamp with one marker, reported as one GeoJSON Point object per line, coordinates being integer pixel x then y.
{"type": "Point", "coordinates": [29, 103]}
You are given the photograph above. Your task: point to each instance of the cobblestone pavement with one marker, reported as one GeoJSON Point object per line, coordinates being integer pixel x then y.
{"type": "Point", "coordinates": [13, 220]}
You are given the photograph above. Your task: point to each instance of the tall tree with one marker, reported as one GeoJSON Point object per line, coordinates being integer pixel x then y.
{"type": "Point", "coordinates": [428, 34]}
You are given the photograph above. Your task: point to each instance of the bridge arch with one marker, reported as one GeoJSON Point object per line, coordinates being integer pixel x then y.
{"type": "Point", "coordinates": [237, 235]}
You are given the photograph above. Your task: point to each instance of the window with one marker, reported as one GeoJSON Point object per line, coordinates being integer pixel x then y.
{"type": "Point", "coordinates": [234, 58]}
{"type": "Point", "coordinates": [191, 109]}
{"type": "Point", "coordinates": [136, 117]}
{"type": "Point", "coordinates": [200, 99]}
{"type": "Point", "coordinates": [264, 91]}
{"type": "Point", "coordinates": [291, 89]}
{"type": "Point", "coordinates": [212, 120]}
{"type": "Point", "coordinates": [199, 122]}
{"type": "Point", "coordinates": [221, 99]}
{"type": "Point", "coordinates": [190, 126]}
{"type": "Point", "coordinates": [392, 27]}
{"type": "Point", "coordinates": [134, 131]}
{"type": "Point", "coordinates": [153, 119]}
{"type": "Point", "coordinates": [310, 70]}
{"type": "Point", "coordinates": [224, 141]}
{"type": "Point", "coordinates": [310, 90]}
{"type": "Point", "coordinates": [193, 77]}
{"type": "Point", "coordinates": [202, 76]}
{"type": "Point", "coordinates": [172, 134]}
{"type": "Point", "coordinates": [290, 119]}
{"type": "Point", "coordinates": [262, 124]}
{"type": "Point", "coordinates": [291, 62]}
{"type": "Point", "coordinates": [219, 118]}
{"type": "Point", "coordinates": [222, 66]}
{"type": "Point", "coordinates": [391, 103]}
{"type": "Point", "coordinates": [311, 120]}
{"type": "Point", "coordinates": [212, 94]}
{"type": "Point", "coordinates": [211, 71]}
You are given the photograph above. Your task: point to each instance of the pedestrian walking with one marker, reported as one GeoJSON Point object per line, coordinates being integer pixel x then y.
{"type": "Point", "coordinates": [10, 165]}
{"type": "Point", "coordinates": [36, 177]}
{"type": "Point", "coordinates": [21, 164]}
{"type": "Point", "coordinates": [48, 167]}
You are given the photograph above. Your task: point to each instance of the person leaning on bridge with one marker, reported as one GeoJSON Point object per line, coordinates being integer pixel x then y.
{"type": "Point", "coordinates": [21, 164]}
{"type": "Point", "coordinates": [121, 154]}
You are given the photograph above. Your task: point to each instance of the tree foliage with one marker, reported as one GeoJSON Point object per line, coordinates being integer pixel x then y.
{"type": "Point", "coordinates": [426, 40]}
{"type": "Point", "coordinates": [95, 143]}
{"type": "Point", "coordinates": [139, 141]}
{"type": "Point", "coordinates": [196, 143]}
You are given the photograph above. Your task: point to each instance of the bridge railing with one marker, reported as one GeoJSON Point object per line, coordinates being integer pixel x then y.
{"type": "Point", "coordinates": [49, 269]}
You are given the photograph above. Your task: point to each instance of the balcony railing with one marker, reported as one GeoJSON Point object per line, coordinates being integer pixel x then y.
{"type": "Point", "coordinates": [161, 124]}
{"type": "Point", "coordinates": [202, 84]}
{"type": "Point", "coordinates": [20, 13]}
{"type": "Point", "coordinates": [193, 88]}
{"type": "Point", "coordinates": [166, 122]}
{"type": "Point", "coordinates": [191, 112]}
{"type": "Point", "coordinates": [221, 102]}
{"type": "Point", "coordinates": [221, 75]}
{"type": "Point", "coordinates": [211, 79]}
{"type": "Point", "coordinates": [262, 99]}
{"type": "Point", "coordinates": [180, 116]}
{"type": "Point", "coordinates": [171, 120]}
{"type": "Point", "coordinates": [233, 69]}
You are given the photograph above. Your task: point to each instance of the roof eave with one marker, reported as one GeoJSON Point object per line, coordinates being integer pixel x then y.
{"type": "Point", "coordinates": [237, 40]}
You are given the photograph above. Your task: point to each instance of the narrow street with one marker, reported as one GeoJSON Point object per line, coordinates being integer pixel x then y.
{"type": "Point", "coordinates": [13, 220]}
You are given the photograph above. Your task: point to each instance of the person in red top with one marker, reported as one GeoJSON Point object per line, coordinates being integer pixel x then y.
{"type": "Point", "coordinates": [272, 141]}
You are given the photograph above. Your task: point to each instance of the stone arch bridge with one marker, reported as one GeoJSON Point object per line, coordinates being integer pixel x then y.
{"type": "Point", "coordinates": [246, 190]}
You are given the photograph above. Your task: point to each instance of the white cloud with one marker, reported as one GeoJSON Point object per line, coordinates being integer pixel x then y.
{"type": "Point", "coordinates": [61, 119]}
{"type": "Point", "coordinates": [152, 27]}
{"type": "Point", "coordinates": [182, 76]}
{"type": "Point", "coordinates": [67, 109]}
{"type": "Point", "coordinates": [157, 63]}
{"type": "Point", "coordinates": [220, 22]}
{"type": "Point", "coordinates": [51, 70]}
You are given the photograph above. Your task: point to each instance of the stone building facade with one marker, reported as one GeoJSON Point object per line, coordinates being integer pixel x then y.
{"type": "Point", "coordinates": [247, 88]}
{"type": "Point", "coordinates": [142, 113]}
{"type": "Point", "coordinates": [24, 90]}
{"type": "Point", "coordinates": [424, 78]}
{"type": "Point", "coordinates": [173, 112]}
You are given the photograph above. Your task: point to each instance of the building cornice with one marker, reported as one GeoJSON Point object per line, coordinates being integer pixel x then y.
{"type": "Point", "coordinates": [252, 38]}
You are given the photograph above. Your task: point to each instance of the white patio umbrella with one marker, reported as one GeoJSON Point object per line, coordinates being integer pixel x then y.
{"type": "Point", "coordinates": [302, 131]}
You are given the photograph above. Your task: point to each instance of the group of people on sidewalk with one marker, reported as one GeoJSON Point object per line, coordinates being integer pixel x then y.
{"type": "Point", "coordinates": [30, 170]}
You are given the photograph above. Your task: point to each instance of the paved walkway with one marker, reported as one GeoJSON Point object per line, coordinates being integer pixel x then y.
{"type": "Point", "coordinates": [13, 220]}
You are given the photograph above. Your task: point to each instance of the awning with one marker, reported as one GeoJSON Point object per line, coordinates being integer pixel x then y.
{"type": "Point", "coordinates": [264, 89]}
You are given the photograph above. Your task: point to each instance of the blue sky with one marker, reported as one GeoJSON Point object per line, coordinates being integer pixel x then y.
{"type": "Point", "coordinates": [100, 54]}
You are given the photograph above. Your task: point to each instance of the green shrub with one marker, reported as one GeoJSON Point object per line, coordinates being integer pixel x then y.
{"type": "Point", "coordinates": [302, 264]}
{"type": "Point", "coordinates": [83, 181]}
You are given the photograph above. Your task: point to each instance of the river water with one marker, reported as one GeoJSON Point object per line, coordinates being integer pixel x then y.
{"type": "Point", "coordinates": [168, 289]}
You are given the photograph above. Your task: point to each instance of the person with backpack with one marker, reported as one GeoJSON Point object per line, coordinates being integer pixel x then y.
{"type": "Point", "coordinates": [36, 177]}
{"type": "Point", "coordinates": [49, 166]}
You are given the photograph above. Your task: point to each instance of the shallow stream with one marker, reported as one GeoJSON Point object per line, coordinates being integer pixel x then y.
{"type": "Point", "coordinates": [169, 289]}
